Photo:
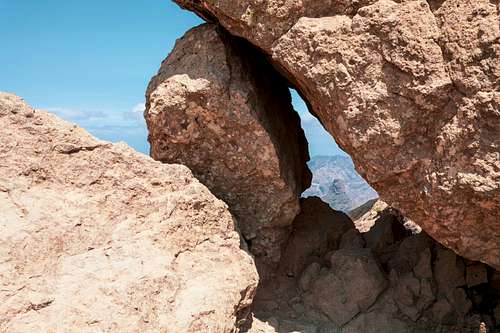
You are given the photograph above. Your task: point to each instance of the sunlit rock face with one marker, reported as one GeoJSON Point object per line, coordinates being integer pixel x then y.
{"type": "Point", "coordinates": [219, 108]}
{"type": "Point", "coordinates": [409, 89]}
{"type": "Point", "coordinates": [95, 237]}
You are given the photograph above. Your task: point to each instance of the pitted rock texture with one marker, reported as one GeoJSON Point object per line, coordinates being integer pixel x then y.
{"type": "Point", "coordinates": [95, 237]}
{"type": "Point", "coordinates": [219, 108]}
{"type": "Point", "coordinates": [410, 89]}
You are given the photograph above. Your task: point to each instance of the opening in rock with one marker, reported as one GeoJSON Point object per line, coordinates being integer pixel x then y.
{"type": "Point", "coordinates": [335, 179]}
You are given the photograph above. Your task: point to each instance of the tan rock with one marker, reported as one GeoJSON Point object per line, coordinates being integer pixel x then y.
{"type": "Point", "coordinates": [218, 107]}
{"type": "Point", "coordinates": [409, 90]}
{"type": "Point", "coordinates": [95, 237]}
{"type": "Point", "coordinates": [351, 285]}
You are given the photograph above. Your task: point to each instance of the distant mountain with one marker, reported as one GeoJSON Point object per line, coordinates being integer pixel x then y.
{"type": "Point", "coordinates": [337, 183]}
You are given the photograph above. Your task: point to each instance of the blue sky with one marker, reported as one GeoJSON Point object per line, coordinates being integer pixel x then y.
{"type": "Point", "coordinates": [90, 62]}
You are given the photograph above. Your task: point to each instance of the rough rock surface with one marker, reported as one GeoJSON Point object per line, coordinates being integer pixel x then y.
{"type": "Point", "coordinates": [408, 88]}
{"type": "Point", "coordinates": [312, 234]}
{"type": "Point", "coordinates": [219, 108]}
{"type": "Point", "coordinates": [391, 281]}
{"type": "Point", "coordinates": [95, 237]}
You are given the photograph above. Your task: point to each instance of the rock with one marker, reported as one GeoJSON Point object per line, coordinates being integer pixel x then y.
{"type": "Point", "coordinates": [375, 322]}
{"type": "Point", "coordinates": [406, 293]}
{"type": "Point", "coordinates": [476, 274]}
{"type": "Point", "coordinates": [95, 237]}
{"type": "Point", "coordinates": [316, 230]}
{"type": "Point", "coordinates": [460, 302]}
{"type": "Point", "coordinates": [497, 314]}
{"type": "Point", "coordinates": [259, 326]}
{"type": "Point", "coordinates": [423, 269]}
{"type": "Point", "coordinates": [449, 270]}
{"type": "Point", "coordinates": [352, 285]}
{"type": "Point", "coordinates": [367, 214]}
{"type": "Point", "coordinates": [386, 231]}
{"type": "Point", "coordinates": [443, 312]}
{"type": "Point", "coordinates": [219, 108]}
{"type": "Point", "coordinates": [427, 290]}
{"type": "Point", "coordinates": [495, 282]}
{"type": "Point", "coordinates": [309, 275]}
{"type": "Point", "coordinates": [413, 253]}
{"type": "Point", "coordinates": [408, 90]}
{"type": "Point", "coordinates": [352, 239]}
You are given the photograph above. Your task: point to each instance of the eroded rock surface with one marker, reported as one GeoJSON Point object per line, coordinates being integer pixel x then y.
{"type": "Point", "coordinates": [96, 237]}
{"type": "Point", "coordinates": [219, 108]}
{"type": "Point", "coordinates": [409, 89]}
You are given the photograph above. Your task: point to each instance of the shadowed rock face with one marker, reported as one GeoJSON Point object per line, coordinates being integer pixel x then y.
{"type": "Point", "coordinates": [384, 279]}
{"type": "Point", "coordinates": [219, 108]}
{"type": "Point", "coordinates": [409, 89]}
{"type": "Point", "coordinates": [95, 237]}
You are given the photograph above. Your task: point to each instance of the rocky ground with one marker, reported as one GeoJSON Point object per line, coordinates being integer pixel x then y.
{"type": "Point", "coordinates": [334, 278]}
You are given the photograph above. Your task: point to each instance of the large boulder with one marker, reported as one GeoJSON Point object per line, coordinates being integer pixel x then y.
{"type": "Point", "coordinates": [95, 237]}
{"type": "Point", "coordinates": [408, 88]}
{"type": "Point", "coordinates": [218, 107]}
{"type": "Point", "coordinates": [352, 285]}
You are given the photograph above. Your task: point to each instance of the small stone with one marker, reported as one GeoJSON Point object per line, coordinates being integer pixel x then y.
{"type": "Point", "coordinates": [449, 270]}
{"type": "Point", "coordinates": [352, 239]}
{"type": "Point", "coordinates": [496, 313]}
{"type": "Point", "coordinates": [352, 285]}
{"type": "Point", "coordinates": [309, 274]}
{"type": "Point", "coordinates": [443, 312]}
{"type": "Point", "coordinates": [476, 274]}
{"type": "Point", "coordinates": [460, 302]}
{"type": "Point", "coordinates": [423, 269]}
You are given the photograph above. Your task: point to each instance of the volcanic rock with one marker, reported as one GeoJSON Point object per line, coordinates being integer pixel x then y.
{"type": "Point", "coordinates": [408, 88]}
{"type": "Point", "coordinates": [315, 230]}
{"type": "Point", "coordinates": [219, 108]}
{"type": "Point", "coordinates": [95, 237]}
{"type": "Point", "coordinates": [410, 284]}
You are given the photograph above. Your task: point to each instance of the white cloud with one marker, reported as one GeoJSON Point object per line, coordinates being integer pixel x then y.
{"type": "Point", "coordinates": [75, 114]}
{"type": "Point", "coordinates": [103, 120]}
{"type": "Point", "coordinates": [139, 108]}
{"type": "Point", "coordinates": [112, 125]}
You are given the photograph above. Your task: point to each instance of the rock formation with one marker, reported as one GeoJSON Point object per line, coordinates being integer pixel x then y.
{"type": "Point", "coordinates": [409, 89]}
{"type": "Point", "coordinates": [96, 237]}
{"type": "Point", "coordinates": [385, 279]}
{"type": "Point", "coordinates": [219, 108]}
